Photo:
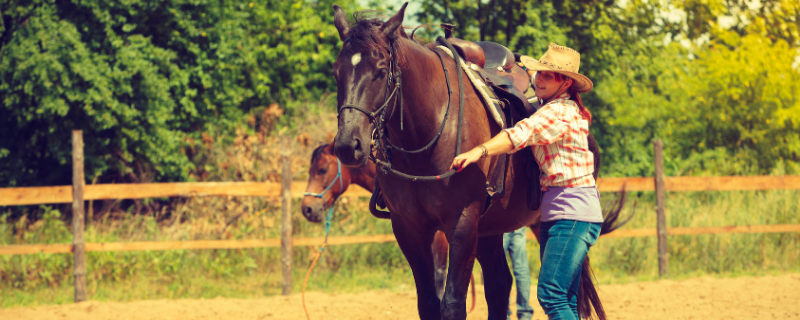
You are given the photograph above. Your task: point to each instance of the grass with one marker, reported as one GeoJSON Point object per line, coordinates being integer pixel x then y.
{"type": "Point", "coordinates": [248, 273]}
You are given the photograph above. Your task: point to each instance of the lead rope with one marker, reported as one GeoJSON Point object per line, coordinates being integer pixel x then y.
{"type": "Point", "coordinates": [327, 228]}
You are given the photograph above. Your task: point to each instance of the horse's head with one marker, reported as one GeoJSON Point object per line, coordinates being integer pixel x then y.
{"type": "Point", "coordinates": [326, 181]}
{"type": "Point", "coordinates": [363, 72]}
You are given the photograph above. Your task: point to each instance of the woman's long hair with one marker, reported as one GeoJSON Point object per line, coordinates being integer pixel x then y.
{"type": "Point", "coordinates": [574, 96]}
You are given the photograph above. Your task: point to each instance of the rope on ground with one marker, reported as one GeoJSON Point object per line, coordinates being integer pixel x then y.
{"type": "Point", "coordinates": [322, 249]}
{"type": "Point", "coordinates": [319, 254]}
{"type": "Point", "coordinates": [327, 226]}
{"type": "Point", "coordinates": [472, 281]}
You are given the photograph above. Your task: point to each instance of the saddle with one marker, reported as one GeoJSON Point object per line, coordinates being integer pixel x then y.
{"type": "Point", "coordinates": [497, 66]}
{"type": "Point", "coordinates": [510, 84]}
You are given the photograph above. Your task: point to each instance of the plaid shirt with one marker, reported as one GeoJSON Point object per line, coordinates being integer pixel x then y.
{"type": "Point", "coordinates": [559, 136]}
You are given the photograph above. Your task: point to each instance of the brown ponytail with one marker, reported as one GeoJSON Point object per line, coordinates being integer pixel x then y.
{"type": "Point", "coordinates": [574, 96]}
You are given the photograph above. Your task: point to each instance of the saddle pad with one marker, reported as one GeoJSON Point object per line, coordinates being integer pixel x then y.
{"type": "Point", "coordinates": [490, 101]}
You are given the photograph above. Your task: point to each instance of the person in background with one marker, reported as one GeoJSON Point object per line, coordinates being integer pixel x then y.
{"type": "Point", "coordinates": [514, 243]}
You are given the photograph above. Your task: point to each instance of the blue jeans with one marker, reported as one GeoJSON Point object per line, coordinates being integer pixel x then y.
{"type": "Point", "coordinates": [564, 244]}
{"type": "Point", "coordinates": [514, 243]}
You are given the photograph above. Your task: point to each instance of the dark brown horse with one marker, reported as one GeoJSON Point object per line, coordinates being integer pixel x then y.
{"type": "Point", "coordinates": [394, 91]}
{"type": "Point", "coordinates": [327, 180]}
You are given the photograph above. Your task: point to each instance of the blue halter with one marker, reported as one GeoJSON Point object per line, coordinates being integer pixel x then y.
{"type": "Point", "coordinates": [322, 195]}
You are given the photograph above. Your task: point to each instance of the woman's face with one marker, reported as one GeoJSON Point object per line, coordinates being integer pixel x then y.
{"type": "Point", "coordinates": [547, 84]}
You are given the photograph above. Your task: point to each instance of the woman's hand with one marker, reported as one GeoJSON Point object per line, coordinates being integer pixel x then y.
{"type": "Point", "coordinates": [466, 158]}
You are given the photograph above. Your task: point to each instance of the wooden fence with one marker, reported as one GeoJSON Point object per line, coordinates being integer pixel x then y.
{"type": "Point", "coordinates": [78, 193]}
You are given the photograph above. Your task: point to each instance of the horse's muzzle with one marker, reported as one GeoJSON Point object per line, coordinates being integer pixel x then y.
{"type": "Point", "coordinates": [351, 152]}
{"type": "Point", "coordinates": [312, 212]}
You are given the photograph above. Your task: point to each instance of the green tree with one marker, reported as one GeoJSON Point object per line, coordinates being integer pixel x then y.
{"type": "Point", "coordinates": [139, 77]}
{"type": "Point", "coordinates": [742, 91]}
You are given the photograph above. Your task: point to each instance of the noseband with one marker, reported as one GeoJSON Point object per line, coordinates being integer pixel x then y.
{"type": "Point", "coordinates": [338, 177]}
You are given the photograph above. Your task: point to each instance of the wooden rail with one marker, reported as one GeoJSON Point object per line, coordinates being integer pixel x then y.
{"type": "Point", "coordinates": [63, 194]}
{"type": "Point", "coordinates": [343, 240]}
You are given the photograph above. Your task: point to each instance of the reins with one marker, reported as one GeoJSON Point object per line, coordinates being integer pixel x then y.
{"type": "Point", "coordinates": [327, 226]}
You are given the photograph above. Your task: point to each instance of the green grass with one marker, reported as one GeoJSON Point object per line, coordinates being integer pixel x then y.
{"type": "Point", "coordinates": [27, 280]}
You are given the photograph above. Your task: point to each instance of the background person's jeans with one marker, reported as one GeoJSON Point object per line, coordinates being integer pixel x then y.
{"type": "Point", "coordinates": [564, 244]}
{"type": "Point", "coordinates": [515, 244]}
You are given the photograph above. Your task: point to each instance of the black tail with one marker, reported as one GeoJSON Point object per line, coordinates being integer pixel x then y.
{"type": "Point", "coordinates": [611, 216]}
{"type": "Point", "coordinates": [587, 294]}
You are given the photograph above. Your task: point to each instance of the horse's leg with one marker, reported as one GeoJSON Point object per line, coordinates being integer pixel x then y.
{"type": "Point", "coordinates": [463, 244]}
{"type": "Point", "coordinates": [497, 284]}
{"type": "Point", "coordinates": [440, 262]}
{"type": "Point", "coordinates": [416, 247]}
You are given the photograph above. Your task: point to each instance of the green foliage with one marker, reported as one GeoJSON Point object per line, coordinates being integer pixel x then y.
{"type": "Point", "coordinates": [139, 77]}
{"type": "Point", "coordinates": [745, 100]}
{"type": "Point", "coordinates": [145, 79]}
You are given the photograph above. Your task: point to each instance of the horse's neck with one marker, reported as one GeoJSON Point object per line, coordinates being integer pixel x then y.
{"type": "Point", "coordinates": [424, 97]}
{"type": "Point", "coordinates": [364, 176]}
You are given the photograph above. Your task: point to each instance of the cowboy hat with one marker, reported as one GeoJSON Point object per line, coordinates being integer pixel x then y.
{"type": "Point", "coordinates": [563, 60]}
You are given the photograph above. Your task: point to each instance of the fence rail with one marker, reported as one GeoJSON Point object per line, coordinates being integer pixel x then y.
{"type": "Point", "coordinates": [63, 194]}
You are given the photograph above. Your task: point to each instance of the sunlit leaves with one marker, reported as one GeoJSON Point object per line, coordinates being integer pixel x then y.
{"type": "Point", "coordinates": [140, 77]}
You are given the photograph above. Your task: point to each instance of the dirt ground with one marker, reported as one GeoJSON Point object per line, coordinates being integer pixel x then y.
{"type": "Point", "coordinates": [769, 297]}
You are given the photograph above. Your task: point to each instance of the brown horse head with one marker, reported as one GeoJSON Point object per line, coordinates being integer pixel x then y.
{"type": "Point", "coordinates": [327, 180]}
{"type": "Point", "coordinates": [363, 72]}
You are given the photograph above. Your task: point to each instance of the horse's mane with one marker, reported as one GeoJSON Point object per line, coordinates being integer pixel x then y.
{"type": "Point", "coordinates": [365, 35]}
{"type": "Point", "coordinates": [317, 153]}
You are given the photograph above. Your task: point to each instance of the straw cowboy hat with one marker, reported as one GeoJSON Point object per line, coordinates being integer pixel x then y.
{"type": "Point", "coordinates": [563, 60]}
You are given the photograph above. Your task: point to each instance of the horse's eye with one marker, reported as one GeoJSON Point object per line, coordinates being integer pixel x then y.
{"type": "Point", "coordinates": [322, 171]}
{"type": "Point", "coordinates": [383, 72]}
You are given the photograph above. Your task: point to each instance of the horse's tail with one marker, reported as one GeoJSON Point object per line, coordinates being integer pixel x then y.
{"type": "Point", "coordinates": [588, 298]}
{"type": "Point", "coordinates": [611, 217]}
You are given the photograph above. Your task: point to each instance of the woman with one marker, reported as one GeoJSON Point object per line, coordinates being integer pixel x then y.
{"type": "Point", "coordinates": [557, 134]}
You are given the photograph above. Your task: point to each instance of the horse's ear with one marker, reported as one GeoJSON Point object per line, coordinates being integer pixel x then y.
{"type": "Point", "coordinates": [340, 21]}
{"type": "Point", "coordinates": [328, 149]}
{"type": "Point", "coordinates": [394, 22]}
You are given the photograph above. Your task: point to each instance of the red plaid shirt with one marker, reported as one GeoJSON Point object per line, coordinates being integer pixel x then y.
{"type": "Point", "coordinates": [559, 136]}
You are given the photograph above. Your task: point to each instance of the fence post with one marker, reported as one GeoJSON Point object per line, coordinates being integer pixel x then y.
{"type": "Point", "coordinates": [286, 217]}
{"type": "Point", "coordinates": [663, 255]}
{"type": "Point", "coordinates": [78, 242]}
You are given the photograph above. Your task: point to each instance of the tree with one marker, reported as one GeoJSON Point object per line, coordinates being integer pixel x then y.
{"type": "Point", "coordinates": [140, 77]}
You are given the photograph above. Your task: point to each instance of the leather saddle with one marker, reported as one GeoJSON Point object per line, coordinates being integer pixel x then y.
{"type": "Point", "coordinates": [497, 65]}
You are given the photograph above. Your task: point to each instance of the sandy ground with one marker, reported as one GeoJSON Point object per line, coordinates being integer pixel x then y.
{"type": "Point", "coordinates": [769, 297]}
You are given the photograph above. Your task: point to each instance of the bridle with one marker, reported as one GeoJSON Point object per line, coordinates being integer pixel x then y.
{"type": "Point", "coordinates": [380, 140]}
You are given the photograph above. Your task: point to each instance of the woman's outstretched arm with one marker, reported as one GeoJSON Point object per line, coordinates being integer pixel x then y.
{"type": "Point", "coordinates": [501, 143]}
